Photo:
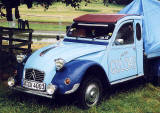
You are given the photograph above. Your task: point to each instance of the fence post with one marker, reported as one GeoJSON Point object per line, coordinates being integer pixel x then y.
{"type": "Point", "coordinates": [30, 42]}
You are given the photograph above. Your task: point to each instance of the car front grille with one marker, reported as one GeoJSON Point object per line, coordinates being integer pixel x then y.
{"type": "Point", "coordinates": [35, 75]}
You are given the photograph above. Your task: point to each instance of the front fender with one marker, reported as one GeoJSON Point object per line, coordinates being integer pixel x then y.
{"type": "Point", "coordinates": [75, 70]}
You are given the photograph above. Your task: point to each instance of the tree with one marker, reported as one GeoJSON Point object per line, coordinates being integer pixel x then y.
{"type": "Point", "coordinates": [124, 2]}
{"type": "Point", "coordinates": [46, 3]}
{"type": "Point", "coordinates": [121, 2]}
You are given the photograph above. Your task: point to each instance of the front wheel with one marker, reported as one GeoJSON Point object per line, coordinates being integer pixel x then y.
{"type": "Point", "coordinates": [90, 92]}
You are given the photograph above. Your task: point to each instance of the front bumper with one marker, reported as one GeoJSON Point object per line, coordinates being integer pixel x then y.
{"type": "Point", "coordinates": [34, 92]}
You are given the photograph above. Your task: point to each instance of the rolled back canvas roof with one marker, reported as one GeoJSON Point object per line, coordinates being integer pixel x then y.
{"type": "Point", "coordinates": [150, 10]}
{"type": "Point", "coordinates": [99, 18]}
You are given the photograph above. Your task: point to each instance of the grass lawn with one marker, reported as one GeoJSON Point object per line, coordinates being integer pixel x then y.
{"type": "Point", "coordinates": [43, 26]}
{"type": "Point", "coordinates": [132, 97]}
{"type": "Point", "coordinates": [58, 15]}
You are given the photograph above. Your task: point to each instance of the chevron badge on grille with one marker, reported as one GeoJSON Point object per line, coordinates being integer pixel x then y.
{"type": "Point", "coordinates": [33, 75]}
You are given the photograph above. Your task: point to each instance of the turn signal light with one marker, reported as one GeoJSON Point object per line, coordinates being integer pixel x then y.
{"type": "Point", "coordinates": [67, 81]}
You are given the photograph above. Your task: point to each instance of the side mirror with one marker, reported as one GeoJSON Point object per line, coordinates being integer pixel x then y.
{"type": "Point", "coordinates": [67, 28]}
{"type": "Point", "coordinates": [119, 41]}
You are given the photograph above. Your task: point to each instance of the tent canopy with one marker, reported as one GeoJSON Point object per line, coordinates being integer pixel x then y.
{"type": "Point", "coordinates": [150, 10]}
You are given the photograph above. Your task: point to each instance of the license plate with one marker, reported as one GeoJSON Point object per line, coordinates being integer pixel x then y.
{"type": "Point", "coordinates": [34, 85]}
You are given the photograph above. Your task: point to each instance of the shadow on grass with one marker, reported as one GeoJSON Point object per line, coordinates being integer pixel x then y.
{"type": "Point", "coordinates": [126, 87]}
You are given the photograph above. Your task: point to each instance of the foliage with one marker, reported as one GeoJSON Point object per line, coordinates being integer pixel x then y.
{"type": "Point", "coordinates": [123, 1]}
{"type": "Point", "coordinates": [76, 3]}
{"type": "Point", "coordinates": [47, 3]}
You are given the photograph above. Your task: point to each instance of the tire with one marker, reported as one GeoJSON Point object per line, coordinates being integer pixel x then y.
{"type": "Point", "coordinates": [90, 92]}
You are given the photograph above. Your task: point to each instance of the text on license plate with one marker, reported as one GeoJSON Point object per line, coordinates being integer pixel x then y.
{"type": "Point", "coordinates": [34, 85]}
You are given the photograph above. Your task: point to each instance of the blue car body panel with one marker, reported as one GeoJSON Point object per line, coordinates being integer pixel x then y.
{"type": "Point", "coordinates": [74, 70]}
{"type": "Point", "coordinates": [65, 50]}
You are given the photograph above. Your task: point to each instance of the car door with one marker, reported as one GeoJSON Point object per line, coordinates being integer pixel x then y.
{"type": "Point", "coordinates": [122, 55]}
{"type": "Point", "coordinates": [139, 45]}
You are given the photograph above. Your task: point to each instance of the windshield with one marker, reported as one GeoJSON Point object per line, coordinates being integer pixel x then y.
{"type": "Point", "coordinates": [99, 31]}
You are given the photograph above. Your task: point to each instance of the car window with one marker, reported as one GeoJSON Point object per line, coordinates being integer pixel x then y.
{"type": "Point", "coordinates": [125, 34]}
{"type": "Point", "coordinates": [98, 31]}
{"type": "Point", "coordinates": [138, 31]}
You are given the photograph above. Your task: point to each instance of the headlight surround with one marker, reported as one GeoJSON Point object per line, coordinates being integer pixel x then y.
{"type": "Point", "coordinates": [20, 58]}
{"type": "Point", "coordinates": [59, 63]}
{"type": "Point", "coordinates": [11, 81]}
{"type": "Point", "coordinates": [51, 89]}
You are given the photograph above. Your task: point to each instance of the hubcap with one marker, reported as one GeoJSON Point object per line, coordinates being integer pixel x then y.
{"type": "Point", "coordinates": [92, 94]}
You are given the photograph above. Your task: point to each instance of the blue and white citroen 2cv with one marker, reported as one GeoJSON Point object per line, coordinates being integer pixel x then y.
{"type": "Point", "coordinates": [98, 51]}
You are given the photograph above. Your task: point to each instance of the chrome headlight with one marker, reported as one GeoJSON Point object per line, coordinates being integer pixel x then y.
{"type": "Point", "coordinates": [51, 89]}
{"type": "Point", "coordinates": [20, 58]}
{"type": "Point", "coordinates": [11, 81]}
{"type": "Point", "coordinates": [59, 63]}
